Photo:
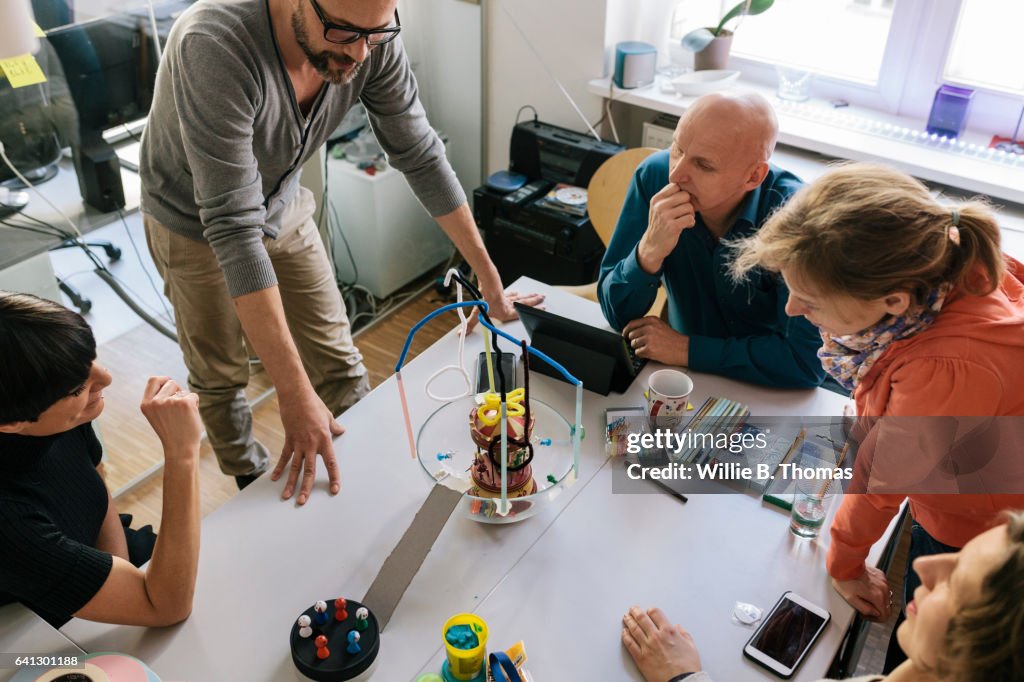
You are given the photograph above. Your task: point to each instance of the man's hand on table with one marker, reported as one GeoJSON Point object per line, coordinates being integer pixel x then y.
{"type": "Point", "coordinates": [499, 305]}
{"type": "Point", "coordinates": [310, 430]}
{"type": "Point", "coordinates": [660, 649]}
{"type": "Point", "coordinates": [653, 339]}
{"type": "Point", "coordinates": [869, 593]}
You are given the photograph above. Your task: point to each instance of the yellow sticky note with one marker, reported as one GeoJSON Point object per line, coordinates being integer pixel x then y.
{"type": "Point", "coordinates": [22, 71]}
{"type": "Point", "coordinates": [38, 31]}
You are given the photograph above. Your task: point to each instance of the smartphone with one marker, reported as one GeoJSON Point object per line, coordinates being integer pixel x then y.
{"type": "Point", "coordinates": [787, 634]}
{"type": "Point", "coordinates": [508, 367]}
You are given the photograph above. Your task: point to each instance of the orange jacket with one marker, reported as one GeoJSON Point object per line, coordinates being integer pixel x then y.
{"type": "Point", "coordinates": [970, 362]}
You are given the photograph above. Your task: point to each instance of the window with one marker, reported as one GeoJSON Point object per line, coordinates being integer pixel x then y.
{"type": "Point", "coordinates": [889, 55]}
{"type": "Point", "coordinates": [691, 14]}
{"type": "Point", "coordinates": [996, 24]}
{"type": "Point", "coordinates": [845, 39]}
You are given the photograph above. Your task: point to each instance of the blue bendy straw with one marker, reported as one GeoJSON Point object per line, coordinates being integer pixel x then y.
{"type": "Point", "coordinates": [577, 429]}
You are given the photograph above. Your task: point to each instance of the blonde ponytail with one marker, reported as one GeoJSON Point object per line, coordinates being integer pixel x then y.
{"type": "Point", "coordinates": [868, 230]}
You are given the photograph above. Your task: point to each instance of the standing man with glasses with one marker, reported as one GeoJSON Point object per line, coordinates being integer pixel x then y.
{"type": "Point", "coordinates": [247, 92]}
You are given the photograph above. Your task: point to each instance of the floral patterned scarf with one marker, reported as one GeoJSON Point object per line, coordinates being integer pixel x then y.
{"type": "Point", "coordinates": [849, 358]}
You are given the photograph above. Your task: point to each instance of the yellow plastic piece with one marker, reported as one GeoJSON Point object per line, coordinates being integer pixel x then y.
{"type": "Point", "coordinates": [465, 664]}
{"type": "Point", "coordinates": [517, 654]}
{"type": "Point", "coordinates": [490, 411]}
{"type": "Point", "coordinates": [490, 365]}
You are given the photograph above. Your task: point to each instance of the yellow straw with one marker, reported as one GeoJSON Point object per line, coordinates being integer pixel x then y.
{"type": "Point", "coordinates": [490, 365]}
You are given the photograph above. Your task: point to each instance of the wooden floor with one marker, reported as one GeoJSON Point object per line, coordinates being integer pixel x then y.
{"type": "Point", "coordinates": [131, 448]}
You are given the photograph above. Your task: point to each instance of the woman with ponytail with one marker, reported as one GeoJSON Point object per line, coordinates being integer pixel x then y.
{"type": "Point", "coordinates": [921, 315]}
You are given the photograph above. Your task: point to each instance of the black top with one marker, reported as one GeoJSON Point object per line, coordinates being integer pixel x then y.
{"type": "Point", "coordinates": [52, 506]}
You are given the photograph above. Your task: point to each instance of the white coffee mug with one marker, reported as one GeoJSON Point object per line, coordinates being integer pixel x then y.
{"type": "Point", "coordinates": [667, 393]}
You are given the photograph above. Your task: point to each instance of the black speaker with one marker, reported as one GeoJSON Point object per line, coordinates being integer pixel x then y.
{"type": "Point", "coordinates": [541, 150]}
{"type": "Point", "coordinates": [99, 175]}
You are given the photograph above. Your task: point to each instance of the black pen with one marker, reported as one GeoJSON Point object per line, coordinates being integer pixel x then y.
{"type": "Point", "coordinates": [669, 489]}
{"type": "Point", "coordinates": [661, 484]}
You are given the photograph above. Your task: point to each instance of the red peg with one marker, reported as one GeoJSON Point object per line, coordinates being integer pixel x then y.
{"type": "Point", "coordinates": [340, 604]}
{"type": "Point", "coordinates": [323, 652]}
{"type": "Point", "coordinates": [321, 642]}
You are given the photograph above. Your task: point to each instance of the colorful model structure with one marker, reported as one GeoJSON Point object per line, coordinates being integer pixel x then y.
{"type": "Point", "coordinates": [499, 482]}
{"type": "Point", "coordinates": [485, 430]}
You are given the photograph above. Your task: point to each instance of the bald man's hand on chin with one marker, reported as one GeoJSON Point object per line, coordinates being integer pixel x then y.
{"type": "Point", "coordinates": [671, 213]}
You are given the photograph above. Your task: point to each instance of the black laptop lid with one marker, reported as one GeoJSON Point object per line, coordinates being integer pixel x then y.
{"type": "Point", "coordinates": [597, 357]}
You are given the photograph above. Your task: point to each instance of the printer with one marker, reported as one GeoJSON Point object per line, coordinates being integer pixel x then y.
{"type": "Point", "coordinates": [524, 234]}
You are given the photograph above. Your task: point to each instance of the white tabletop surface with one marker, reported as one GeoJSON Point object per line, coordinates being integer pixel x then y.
{"type": "Point", "coordinates": [23, 632]}
{"type": "Point", "coordinates": [559, 580]}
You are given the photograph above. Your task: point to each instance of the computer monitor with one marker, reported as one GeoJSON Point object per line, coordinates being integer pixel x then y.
{"type": "Point", "coordinates": [104, 62]}
{"type": "Point", "coordinates": [110, 63]}
{"type": "Point", "coordinates": [101, 63]}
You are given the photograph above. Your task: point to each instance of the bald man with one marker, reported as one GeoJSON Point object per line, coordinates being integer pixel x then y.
{"type": "Point", "coordinates": [712, 186]}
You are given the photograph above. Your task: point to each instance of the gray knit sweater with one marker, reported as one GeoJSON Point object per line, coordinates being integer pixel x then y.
{"type": "Point", "coordinates": [225, 143]}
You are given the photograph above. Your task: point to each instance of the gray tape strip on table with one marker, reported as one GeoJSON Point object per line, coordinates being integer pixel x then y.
{"type": "Point", "coordinates": [409, 554]}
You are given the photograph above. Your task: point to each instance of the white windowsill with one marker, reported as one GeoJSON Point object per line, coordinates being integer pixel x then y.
{"type": "Point", "coordinates": [862, 134]}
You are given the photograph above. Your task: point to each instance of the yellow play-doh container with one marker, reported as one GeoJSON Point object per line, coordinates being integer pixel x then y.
{"type": "Point", "coordinates": [466, 664]}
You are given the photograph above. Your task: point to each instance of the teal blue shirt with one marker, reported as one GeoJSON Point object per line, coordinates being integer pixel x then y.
{"type": "Point", "coordinates": [737, 330]}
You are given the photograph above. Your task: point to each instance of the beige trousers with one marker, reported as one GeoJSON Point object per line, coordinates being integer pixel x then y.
{"type": "Point", "coordinates": [211, 336]}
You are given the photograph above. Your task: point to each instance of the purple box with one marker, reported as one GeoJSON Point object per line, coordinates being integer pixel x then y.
{"type": "Point", "coordinates": [949, 110]}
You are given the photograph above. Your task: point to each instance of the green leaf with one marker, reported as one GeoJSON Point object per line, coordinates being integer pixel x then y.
{"type": "Point", "coordinates": [756, 7]}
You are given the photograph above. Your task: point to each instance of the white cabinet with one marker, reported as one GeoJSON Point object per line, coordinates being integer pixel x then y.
{"type": "Point", "coordinates": [392, 237]}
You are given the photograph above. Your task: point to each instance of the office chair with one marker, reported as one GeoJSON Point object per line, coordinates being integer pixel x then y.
{"type": "Point", "coordinates": [606, 194]}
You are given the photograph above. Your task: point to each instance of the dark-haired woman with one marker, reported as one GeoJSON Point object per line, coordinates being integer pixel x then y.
{"type": "Point", "coordinates": [65, 550]}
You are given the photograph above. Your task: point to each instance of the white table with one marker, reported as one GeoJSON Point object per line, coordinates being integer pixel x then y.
{"type": "Point", "coordinates": [560, 580]}
{"type": "Point", "coordinates": [23, 632]}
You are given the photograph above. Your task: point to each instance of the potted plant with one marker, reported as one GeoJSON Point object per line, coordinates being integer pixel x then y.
{"type": "Point", "coordinates": [710, 46]}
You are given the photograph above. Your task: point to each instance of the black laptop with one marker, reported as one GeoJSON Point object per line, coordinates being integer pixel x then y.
{"type": "Point", "coordinates": [601, 359]}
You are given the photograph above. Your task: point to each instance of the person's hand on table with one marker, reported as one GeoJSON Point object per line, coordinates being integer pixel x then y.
{"type": "Point", "coordinates": [500, 308]}
{"type": "Point", "coordinates": [660, 649]}
{"type": "Point", "coordinates": [869, 593]}
{"type": "Point", "coordinates": [653, 339]}
{"type": "Point", "coordinates": [173, 412]}
{"type": "Point", "coordinates": [309, 429]}
{"type": "Point", "coordinates": [671, 212]}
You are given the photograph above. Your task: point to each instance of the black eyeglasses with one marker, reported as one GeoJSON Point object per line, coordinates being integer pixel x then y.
{"type": "Point", "coordinates": [341, 34]}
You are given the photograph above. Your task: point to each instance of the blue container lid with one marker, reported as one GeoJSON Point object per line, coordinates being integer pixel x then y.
{"type": "Point", "coordinates": [954, 91]}
{"type": "Point", "coordinates": [635, 47]}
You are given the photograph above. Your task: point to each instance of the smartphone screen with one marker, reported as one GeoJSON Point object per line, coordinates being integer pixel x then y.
{"type": "Point", "coordinates": [787, 634]}
{"type": "Point", "coordinates": [508, 367]}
